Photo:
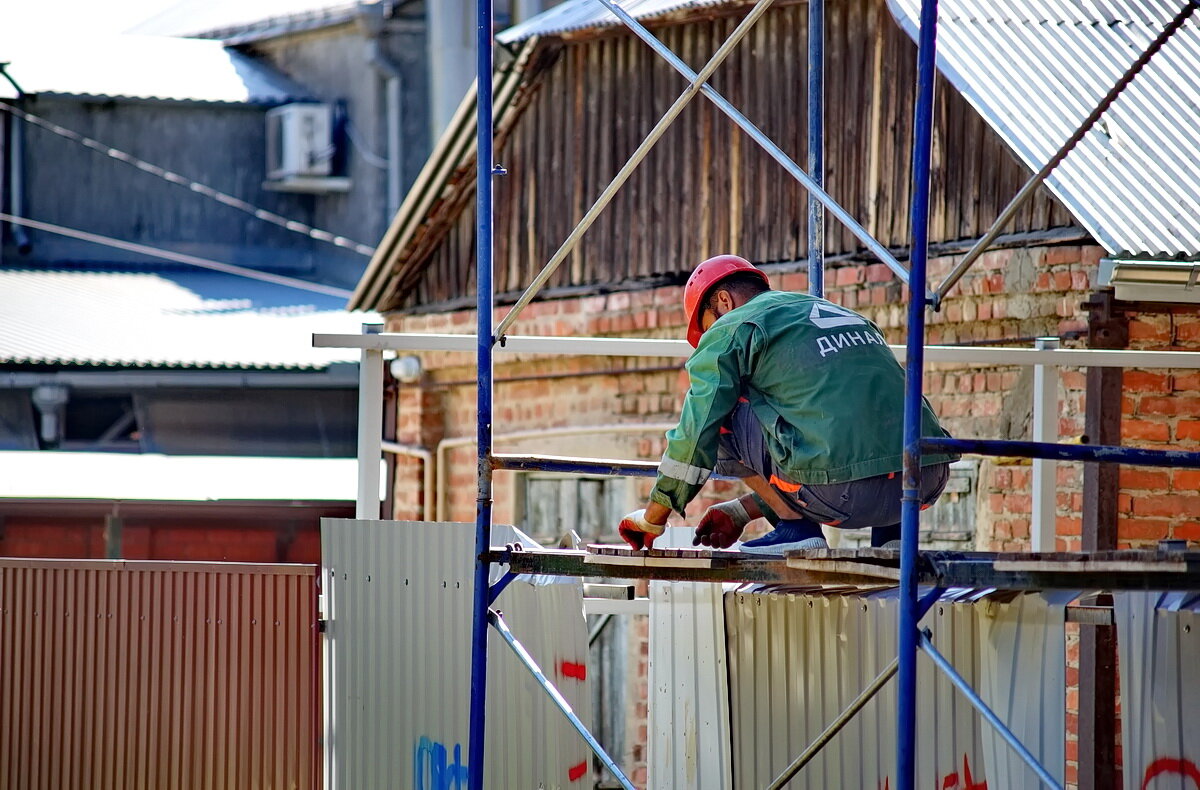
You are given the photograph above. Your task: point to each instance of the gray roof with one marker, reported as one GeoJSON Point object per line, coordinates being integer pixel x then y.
{"type": "Point", "coordinates": [141, 67]}
{"type": "Point", "coordinates": [187, 319]}
{"type": "Point", "coordinates": [226, 19]}
{"type": "Point", "coordinates": [584, 14]}
{"type": "Point", "coordinates": [1034, 69]}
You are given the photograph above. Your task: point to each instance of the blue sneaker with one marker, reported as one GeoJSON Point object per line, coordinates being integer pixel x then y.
{"type": "Point", "coordinates": [788, 535]}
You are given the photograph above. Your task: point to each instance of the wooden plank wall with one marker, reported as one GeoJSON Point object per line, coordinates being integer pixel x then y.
{"type": "Point", "coordinates": [706, 187]}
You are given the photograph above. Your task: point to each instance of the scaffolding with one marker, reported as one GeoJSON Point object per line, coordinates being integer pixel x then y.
{"type": "Point", "coordinates": [1035, 571]}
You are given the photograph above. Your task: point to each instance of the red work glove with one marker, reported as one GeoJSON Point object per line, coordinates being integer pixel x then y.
{"type": "Point", "coordinates": [721, 525]}
{"type": "Point", "coordinates": [638, 532]}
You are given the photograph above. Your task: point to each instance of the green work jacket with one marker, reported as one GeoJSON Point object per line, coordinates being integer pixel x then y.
{"type": "Point", "coordinates": [822, 382]}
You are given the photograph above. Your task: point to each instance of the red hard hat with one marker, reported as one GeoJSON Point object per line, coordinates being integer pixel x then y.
{"type": "Point", "coordinates": [705, 276]}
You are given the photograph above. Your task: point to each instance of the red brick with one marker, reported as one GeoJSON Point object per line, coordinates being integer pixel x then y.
{"type": "Point", "coordinates": [1062, 281]}
{"type": "Point", "coordinates": [1186, 479]}
{"type": "Point", "coordinates": [1168, 505]}
{"type": "Point", "coordinates": [1187, 329]}
{"type": "Point", "coordinates": [1151, 328]}
{"type": "Point", "coordinates": [1144, 430]}
{"type": "Point", "coordinates": [1142, 528]}
{"type": "Point", "coordinates": [1059, 255]}
{"type": "Point", "coordinates": [1187, 531]}
{"type": "Point", "coordinates": [1141, 381]}
{"type": "Point", "coordinates": [850, 275]}
{"type": "Point", "coordinates": [1190, 381]}
{"type": "Point", "coordinates": [1144, 479]}
{"type": "Point", "coordinates": [1188, 429]}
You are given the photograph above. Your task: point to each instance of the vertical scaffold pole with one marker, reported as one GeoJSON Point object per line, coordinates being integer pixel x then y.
{"type": "Point", "coordinates": [483, 275]}
{"type": "Point", "coordinates": [906, 725]}
{"type": "Point", "coordinates": [816, 145]}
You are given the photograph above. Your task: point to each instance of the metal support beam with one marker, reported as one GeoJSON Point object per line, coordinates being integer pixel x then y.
{"type": "Point", "coordinates": [1108, 328]}
{"type": "Point", "coordinates": [1045, 429]}
{"type": "Point", "coordinates": [660, 128]}
{"type": "Point", "coordinates": [370, 429]}
{"type": "Point", "coordinates": [816, 145]}
{"type": "Point", "coordinates": [910, 502]}
{"type": "Point", "coordinates": [1067, 452]}
{"type": "Point", "coordinates": [484, 145]}
{"type": "Point", "coordinates": [558, 699]}
{"type": "Point", "coordinates": [987, 713]}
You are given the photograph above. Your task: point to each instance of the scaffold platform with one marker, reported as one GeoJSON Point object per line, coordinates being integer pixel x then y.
{"type": "Point", "coordinates": [1130, 569]}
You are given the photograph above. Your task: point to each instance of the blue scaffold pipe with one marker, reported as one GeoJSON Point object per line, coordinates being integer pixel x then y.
{"type": "Point", "coordinates": [582, 466]}
{"type": "Point", "coordinates": [906, 724]}
{"type": "Point", "coordinates": [1066, 452]}
{"type": "Point", "coordinates": [987, 713]}
{"type": "Point", "coordinates": [483, 502]}
{"type": "Point", "coordinates": [559, 700]}
{"type": "Point", "coordinates": [816, 145]}
{"type": "Point", "coordinates": [497, 588]}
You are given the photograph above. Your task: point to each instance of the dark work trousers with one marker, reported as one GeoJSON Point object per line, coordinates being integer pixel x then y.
{"type": "Point", "coordinates": [872, 502]}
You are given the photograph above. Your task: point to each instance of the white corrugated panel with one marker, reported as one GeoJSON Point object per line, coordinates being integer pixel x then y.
{"type": "Point", "coordinates": [797, 659]}
{"type": "Point", "coordinates": [688, 683]}
{"type": "Point", "coordinates": [141, 67]}
{"type": "Point", "coordinates": [398, 650]}
{"type": "Point", "coordinates": [1035, 69]}
{"type": "Point", "coordinates": [1023, 679]}
{"type": "Point", "coordinates": [1158, 641]}
{"type": "Point", "coordinates": [585, 14]}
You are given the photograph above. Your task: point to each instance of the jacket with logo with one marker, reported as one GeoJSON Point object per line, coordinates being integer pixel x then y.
{"type": "Point", "coordinates": [822, 382]}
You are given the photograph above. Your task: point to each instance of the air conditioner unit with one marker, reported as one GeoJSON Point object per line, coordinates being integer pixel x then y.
{"type": "Point", "coordinates": [299, 141]}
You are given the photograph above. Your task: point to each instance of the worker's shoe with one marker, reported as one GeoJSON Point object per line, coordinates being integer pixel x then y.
{"type": "Point", "coordinates": [788, 535]}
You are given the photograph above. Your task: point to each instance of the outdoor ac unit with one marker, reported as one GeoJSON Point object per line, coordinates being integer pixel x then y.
{"type": "Point", "coordinates": [299, 141]}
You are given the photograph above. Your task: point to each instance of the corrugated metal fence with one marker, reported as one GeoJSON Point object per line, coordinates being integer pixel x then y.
{"type": "Point", "coordinates": [797, 658]}
{"type": "Point", "coordinates": [398, 658]}
{"type": "Point", "coordinates": [1158, 644]}
{"type": "Point", "coordinates": [123, 674]}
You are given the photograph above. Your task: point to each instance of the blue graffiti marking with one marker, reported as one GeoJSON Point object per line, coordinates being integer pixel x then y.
{"type": "Point", "coordinates": [430, 760]}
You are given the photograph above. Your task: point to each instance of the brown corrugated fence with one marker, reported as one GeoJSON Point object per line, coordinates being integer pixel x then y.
{"type": "Point", "coordinates": [123, 674]}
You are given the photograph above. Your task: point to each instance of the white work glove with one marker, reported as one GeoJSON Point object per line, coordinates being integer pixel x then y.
{"type": "Point", "coordinates": [722, 524]}
{"type": "Point", "coordinates": [638, 532]}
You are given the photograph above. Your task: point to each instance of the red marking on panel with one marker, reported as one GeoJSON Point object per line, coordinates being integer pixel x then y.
{"type": "Point", "coordinates": [1171, 765]}
{"type": "Point", "coordinates": [572, 670]}
{"type": "Point", "coordinates": [576, 773]}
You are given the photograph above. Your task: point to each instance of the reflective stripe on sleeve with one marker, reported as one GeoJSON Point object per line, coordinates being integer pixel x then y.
{"type": "Point", "coordinates": [692, 475]}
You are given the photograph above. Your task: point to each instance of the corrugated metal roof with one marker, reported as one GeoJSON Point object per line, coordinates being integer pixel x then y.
{"type": "Point", "coordinates": [226, 18]}
{"type": "Point", "coordinates": [142, 67]}
{"type": "Point", "coordinates": [584, 14]}
{"type": "Point", "coordinates": [166, 319]}
{"type": "Point", "coordinates": [1034, 69]}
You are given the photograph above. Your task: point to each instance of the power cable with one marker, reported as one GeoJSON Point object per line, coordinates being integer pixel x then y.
{"type": "Point", "coordinates": [178, 257]}
{"type": "Point", "coordinates": [194, 186]}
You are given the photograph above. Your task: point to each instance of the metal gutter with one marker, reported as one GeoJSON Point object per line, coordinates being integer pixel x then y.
{"type": "Point", "coordinates": [339, 375]}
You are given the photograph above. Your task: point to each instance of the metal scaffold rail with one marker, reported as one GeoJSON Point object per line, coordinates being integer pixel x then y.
{"type": "Point", "coordinates": [1028, 572]}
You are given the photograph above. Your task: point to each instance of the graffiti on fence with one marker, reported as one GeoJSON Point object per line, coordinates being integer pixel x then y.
{"type": "Point", "coordinates": [432, 768]}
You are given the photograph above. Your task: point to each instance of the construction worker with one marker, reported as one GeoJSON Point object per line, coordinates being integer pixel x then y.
{"type": "Point", "coordinates": [801, 399]}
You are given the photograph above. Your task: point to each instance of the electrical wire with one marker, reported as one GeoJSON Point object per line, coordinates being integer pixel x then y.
{"type": "Point", "coordinates": [195, 186]}
{"type": "Point", "coordinates": [369, 156]}
{"type": "Point", "coordinates": [178, 257]}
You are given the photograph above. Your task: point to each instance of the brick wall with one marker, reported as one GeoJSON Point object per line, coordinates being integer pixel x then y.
{"type": "Point", "coordinates": [167, 531]}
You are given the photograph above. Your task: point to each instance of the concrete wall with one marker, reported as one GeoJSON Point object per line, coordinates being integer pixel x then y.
{"type": "Point", "coordinates": [336, 65]}
{"type": "Point", "coordinates": [223, 146]}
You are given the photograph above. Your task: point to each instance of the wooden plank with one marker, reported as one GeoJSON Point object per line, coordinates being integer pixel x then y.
{"type": "Point", "coordinates": [845, 568]}
{"type": "Point", "coordinates": [1098, 566]}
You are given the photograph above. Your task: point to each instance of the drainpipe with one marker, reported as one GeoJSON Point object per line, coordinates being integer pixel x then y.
{"type": "Point", "coordinates": [393, 90]}
{"type": "Point", "coordinates": [16, 172]}
{"type": "Point", "coordinates": [426, 458]}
